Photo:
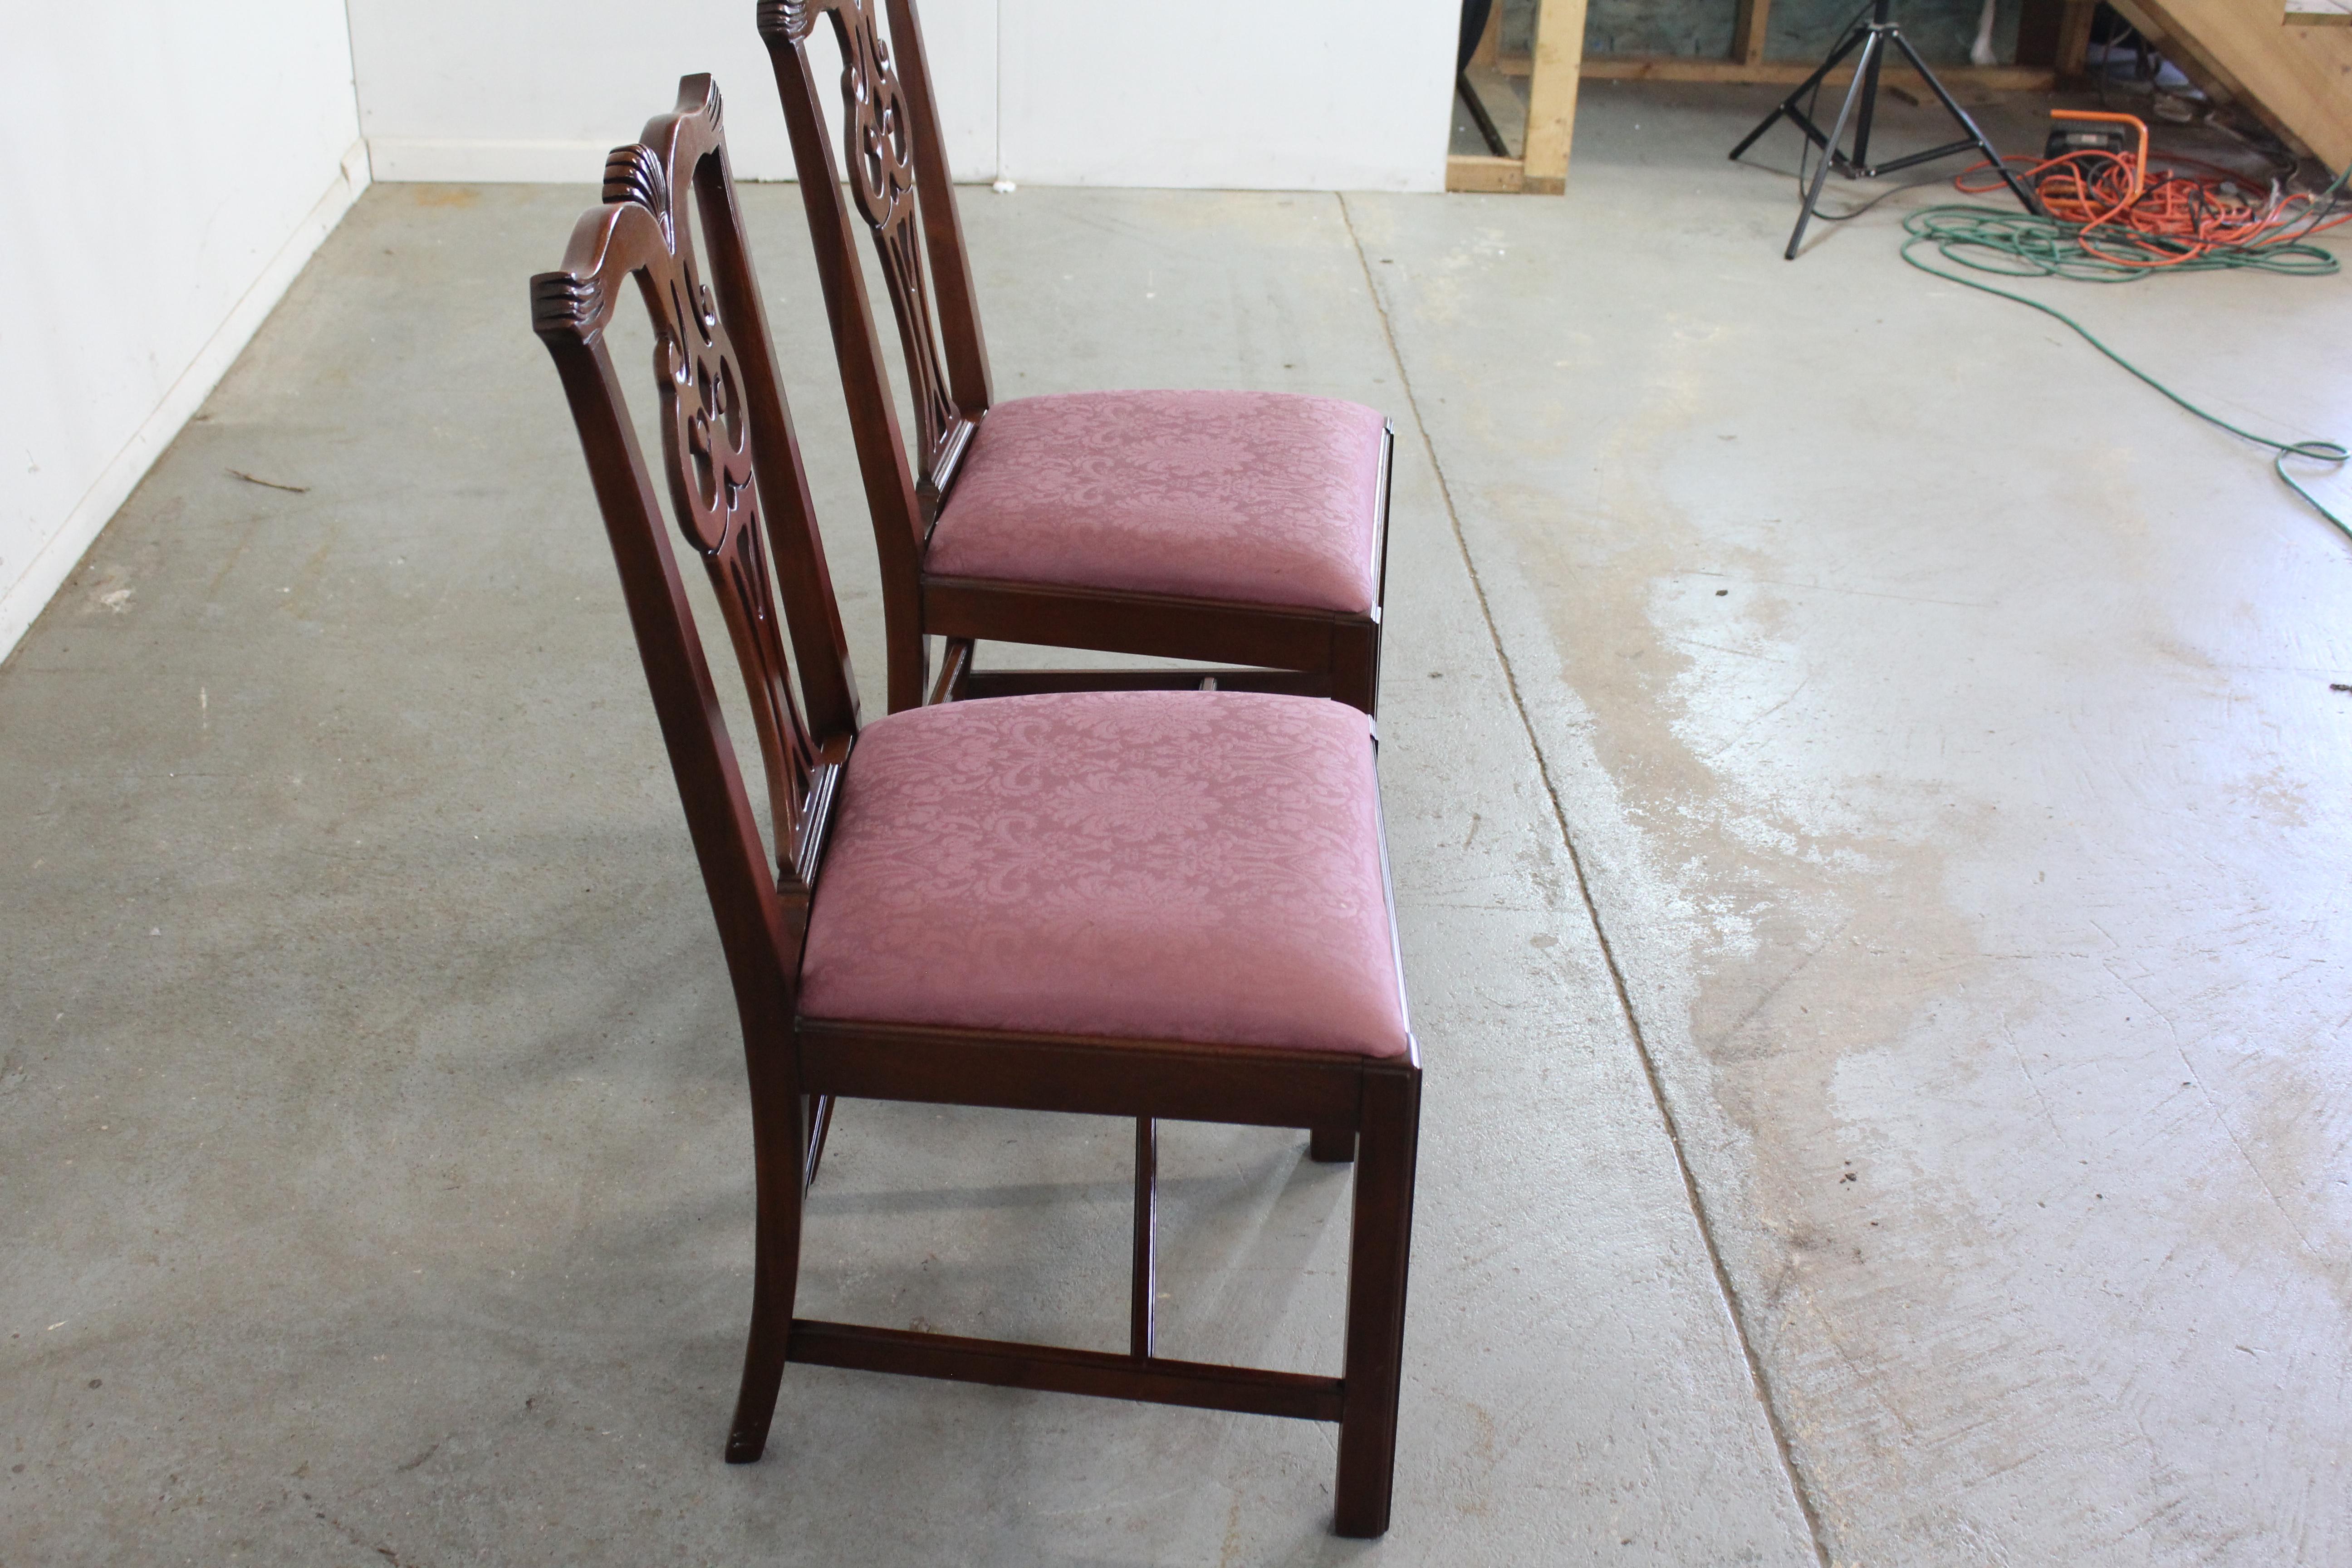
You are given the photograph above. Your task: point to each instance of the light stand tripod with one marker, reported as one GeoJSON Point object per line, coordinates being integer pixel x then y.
{"type": "Point", "coordinates": [1872, 39]}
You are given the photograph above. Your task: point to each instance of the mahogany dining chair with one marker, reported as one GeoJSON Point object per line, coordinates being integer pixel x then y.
{"type": "Point", "coordinates": [1154, 904]}
{"type": "Point", "coordinates": [1248, 528]}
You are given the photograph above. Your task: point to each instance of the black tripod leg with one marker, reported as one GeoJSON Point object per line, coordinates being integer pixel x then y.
{"type": "Point", "coordinates": [1860, 159]}
{"type": "Point", "coordinates": [1788, 105]}
{"type": "Point", "coordinates": [1829, 154]}
{"type": "Point", "coordinates": [1768, 122]}
{"type": "Point", "coordinates": [2017, 188]}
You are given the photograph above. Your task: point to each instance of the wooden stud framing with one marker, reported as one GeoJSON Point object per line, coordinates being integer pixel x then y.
{"type": "Point", "coordinates": [1552, 73]}
{"type": "Point", "coordinates": [1551, 94]}
{"type": "Point", "coordinates": [2074, 39]}
{"type": "Point", "coordinates": [1476, 171]}
{"type": "Point", "coordinates": [2057, 34]}
{"type": "Point", "coordinates": [1789, 73]}
{"type": "Point", "coordinates": [1747, 31]}
{"type": "Point", "coordinates": [2052, 46]}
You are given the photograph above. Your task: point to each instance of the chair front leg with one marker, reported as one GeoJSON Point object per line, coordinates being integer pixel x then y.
{"type": "Point", "coordinates": [780, 1160]}
{"type": "Point", "coordinates": [1382, 1241]}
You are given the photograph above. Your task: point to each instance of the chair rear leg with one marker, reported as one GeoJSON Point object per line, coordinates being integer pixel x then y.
{"type": "Point", "coordinates": [1144, 1286]}
{"type": "Point", "coordinates": [818, 1110]}
{"type": "Point", "coordinates": [780, 1154]}
{"type": "Point", "coordinates": [1381, 1242]}
{"type": "Point", "coordinates": [1331, 1146]}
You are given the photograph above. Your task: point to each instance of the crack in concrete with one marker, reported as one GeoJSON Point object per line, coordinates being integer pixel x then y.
{"type": "Point", "coordinates": [1799, 1488]}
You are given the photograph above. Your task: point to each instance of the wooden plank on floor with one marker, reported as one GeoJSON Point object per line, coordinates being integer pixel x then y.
{"type": "Point", "coordinates": [1502, 176]}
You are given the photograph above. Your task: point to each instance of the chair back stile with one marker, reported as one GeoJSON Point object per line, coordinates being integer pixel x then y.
{"type": "Point", "coordinates": [739, 494]}
{"type": "Point", "coordinates": [942, 225]}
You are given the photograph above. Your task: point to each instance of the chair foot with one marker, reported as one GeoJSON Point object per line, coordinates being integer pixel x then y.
{"type": "Point", "coordinates": [783, 1160]}
{"type": "Point", "coordinates": [755, 1404]}
{"type": "Point", "coordinates": [763, 1376]}
{"type": "Point", "coordinates": [1331, 1146]}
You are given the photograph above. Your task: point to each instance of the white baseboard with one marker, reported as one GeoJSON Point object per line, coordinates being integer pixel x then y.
{"type": "Point", "coordinates": [54, 562]}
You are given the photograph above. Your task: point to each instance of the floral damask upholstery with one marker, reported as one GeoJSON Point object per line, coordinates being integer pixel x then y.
{"type": "Point", "coordinates": [1261, 498]}
{"type": "Point", "coordinates": [1203, 866]}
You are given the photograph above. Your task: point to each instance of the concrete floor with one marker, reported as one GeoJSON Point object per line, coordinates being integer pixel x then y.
{"type": "Point", "coordinates": [1866, 797]}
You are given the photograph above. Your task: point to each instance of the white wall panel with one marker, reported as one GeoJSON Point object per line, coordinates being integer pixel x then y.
{"type": "Point", "coordinates": [533, 89]}
{"type": "Point", "coordinates": [173, 165]}
{"type": "Point", "coordinates": [1299, 95]}
{"type": "Point", "coordinates": [178, 163]}
{"type": "Point", "coordinates": [1305, 94]}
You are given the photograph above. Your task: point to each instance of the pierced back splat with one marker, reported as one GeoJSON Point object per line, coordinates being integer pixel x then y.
{"type": "Point", "coordinates": [739, 494]}
{"type": "Point", "coordinates": [877, 137]}
{"type": "Point", "coordinates": [705, 440]}
{"type": "Point", "coordinates": [897, 172]}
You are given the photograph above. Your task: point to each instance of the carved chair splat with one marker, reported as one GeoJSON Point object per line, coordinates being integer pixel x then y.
{"type": "Point", "coordinates": [830, 1008]}
{"type": "Point", "coordinates": [982, 537]}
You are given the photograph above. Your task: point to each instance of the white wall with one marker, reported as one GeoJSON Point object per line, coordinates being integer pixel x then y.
{"type": "Point", "coordinates": [172, 163]}
{"type": "Point", "coordinates": [176, 162]}
{"type": "Point", "coordinates": [1246, 94]}
{"type": "Point", "coordinates": [1253, 94]}
{"type": "Point", "coordinates": [534, 89]}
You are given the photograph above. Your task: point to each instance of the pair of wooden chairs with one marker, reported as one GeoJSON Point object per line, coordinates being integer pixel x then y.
{"type": "Point", "coordinates": [1096, 892]}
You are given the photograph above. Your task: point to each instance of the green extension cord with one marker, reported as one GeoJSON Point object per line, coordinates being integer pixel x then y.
{"type": "Point", "coordinates": [2021, 244]}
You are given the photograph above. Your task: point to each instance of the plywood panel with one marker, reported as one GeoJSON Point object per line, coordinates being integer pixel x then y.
{"type": "Point", "coordinates": [2298, 79]}
{"type": "Point", "coordinates": [2319, 13]}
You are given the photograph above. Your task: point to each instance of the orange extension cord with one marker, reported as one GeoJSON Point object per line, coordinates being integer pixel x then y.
{"type": "Point", "coordinates": [2132, 215]}
{"type": "Point", "coordinates": [2108, 221]}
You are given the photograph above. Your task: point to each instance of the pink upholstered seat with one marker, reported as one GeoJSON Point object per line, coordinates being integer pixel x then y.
{"type": "Point", "coordinates": [1190, 866]}
{"type": "Point", "coordinates": [1260, 498]}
